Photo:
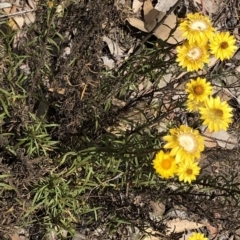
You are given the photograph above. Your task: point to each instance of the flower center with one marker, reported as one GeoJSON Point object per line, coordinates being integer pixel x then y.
{"type": "Point", "coordinates": [189, 171]}
{"type": "Point", "coordinates": [218, 113]}
{"type": "Point", "coordinates": [50, 4]}
{"type": "Point", "coordinates": [198, 90]}
{"type": "Point", "coordinates": [198, 25]}
{"type": "Point", "coordinates": [223, 45]}
{"type": "Point", "coordinates": [194, 53]}
{"type": "Point", "coordinates": [187, 141]}
{"type": "Point", "coordinates": [166, 164]}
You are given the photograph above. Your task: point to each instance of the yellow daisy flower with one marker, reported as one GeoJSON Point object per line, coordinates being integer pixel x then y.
{"type": "Point", "coordinates": [199, 90]}
{"type": "Point", "coordinates": [188, 171]}
{"type": "Point", "coordinates": [197, 29]}
{"type": "Point", "coordinates": [223, 46]}
{"type": "Point", "coordinates": [197, 236]}
{"type": "Point", "coordinates": [193, 106]}
{"type": "Point", "coordinates": [216, 114]}
{"type": "Point", "coordinates": [192, 57]}
{"type": "Point", "coordinates": [185, 143]}
{"type": "Point", "coordinates": [50, 4]}
{"type": "Point", "coordinates": [165, 164]}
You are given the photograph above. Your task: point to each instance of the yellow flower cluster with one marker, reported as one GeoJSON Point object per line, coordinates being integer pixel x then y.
{"type": "Point", "coordinates": [216, 114]}
{"type": "Point", "coordinates": [201, 41]}
{"type": "Point", "coordinates": [185, 145]}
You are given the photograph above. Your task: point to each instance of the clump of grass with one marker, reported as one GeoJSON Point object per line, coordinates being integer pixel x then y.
{"type": "Point", "coordinates": [35, 137]}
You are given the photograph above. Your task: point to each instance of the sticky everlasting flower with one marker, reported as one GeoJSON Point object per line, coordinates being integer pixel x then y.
{"type": "Point", "coordinates": [192, 57]}
{"type": "Point", "coordinates": [185, 143]}
{"type": "Point", "coordinates": [197, 236]}
{"type": "Point", "coordinates": [165, 164]}
{"type": "Point", "coordinates": [216, 114]}
{"type": "Point", "coordinates": [50, 4]}
{"type": "Point", "coordinates": [188, 171]}
{"type": "Point", "coordinates": [197, 29]}
{"type": "Point", "coordinates": [198, 90]}
{"type": "Point", "coordinates": [223, 45]}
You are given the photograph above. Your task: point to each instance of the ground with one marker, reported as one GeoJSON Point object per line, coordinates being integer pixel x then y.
{"type": "Point", "coordinates": [78, 138]}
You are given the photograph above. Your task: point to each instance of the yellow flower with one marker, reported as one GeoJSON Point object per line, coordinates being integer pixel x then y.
{"type": "Point", "coordinates": [50, 4]}
{"type": "Point", "coordinates": [223, 46]}
{"type": "Point", "coordinates": [188, 171]}
{"type": "Point", "coordinates": [197, 29]}
{"type": "Point", "coordinates": [197, 236]}
{"type": "Point", "coordinates": [165, 165]}
{"type": "Point", "coordinates": [216, 114]}
{"type": "Point", "coordinates": [185, 143]}
{"type": "Point", "coordinates": [199, 90]}
{"type": "Point", "coordinates": [192, 57]}
{"type": "Point", "coordinates": [192, 106]}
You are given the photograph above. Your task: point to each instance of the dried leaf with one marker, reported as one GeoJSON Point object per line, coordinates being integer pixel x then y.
{"type": "Point", "coordinates": [211, 6]}
{"type": "Point", "coordinates": [147, 7]}
{"type": "Point", "coordinates": [223, 93]}
{"type": "Point", "coordinates": [236, 34]}
{"type": "Point", "coordinates": [19, 234]}
{"type": "Point", "coordinates": [222, 137]}
{"type": "Point", "coordinates": [161, 126]}
{"type": "Point", "coordinates": [58, 90]}
{"type": "Point", "coordinates": [61, 91]}
{"type": "Point", "coordinates": [237, 68]}
{"type": "Point", "coordinates": [19, 20]}
{"type": "Point", "coordinates": [230, 91]}
{"type": "Point", "coordinates": [15, 236]}
{"type": "Point", "coordinates": [163, 31]}
{"type": "Point", "coordinates": [59, 9]}
{"type": "Point", "coordinates": [158, 208]}
{"type": "Point", "coordinates": [108, 62]}
{"type": "Point", "coordinates": [118, 103]}
{"type": "Point", "coordinates": [32, 3]}
{"type": "Point", "coordinates": [30, 17]}
{"type": "Point", "coordinates": [137, 23]}
{"type": "Point", "coordinates": [175, 213]}
{"type": "Point", "coordinates": [136, 5]}
{"type": "Point", "coordinates": [208, 141]}
{"type": "Point", "coordinates": [151, 238]}
{"type": "Point", "coordinates": [164, 5]}
{"type": "Point", "coordinates": [178, 225]}
{"type": "Point", "coordinates": [211, 229]}
{"type": "Point", "coordinates": [5, 5]}
{"type": "Point", "coordinates": [151, 15]}
{"type": "Point", "coordinates": [165, 80]}
{"type": "Point", "coordinates": [231, 80]}
{"type": "Point", "coordinates": [14, 8]}
{"type": "Point", "coordinates": [152, 18]}
{"type": "Point", "coordinates": [152, 232]}
{"type": "Point", "coordinates": [113, 47]}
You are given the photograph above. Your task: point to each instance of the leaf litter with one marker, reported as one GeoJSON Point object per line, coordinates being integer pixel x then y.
{"type": "Point", "coordinates": [152, 17]}
{"type": "Point", "coordinates": [148, 22]}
